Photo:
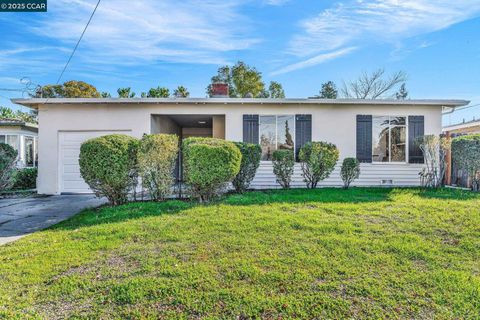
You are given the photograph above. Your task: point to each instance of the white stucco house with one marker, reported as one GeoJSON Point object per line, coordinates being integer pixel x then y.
{"type": "Point", "coordinates": [22, 136]}
{"type": "Point", "coordinates": [380, 133]}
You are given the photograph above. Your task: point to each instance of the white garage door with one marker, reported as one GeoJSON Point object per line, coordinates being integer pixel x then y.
{"type": "Point", "coordinates": [69, 143]}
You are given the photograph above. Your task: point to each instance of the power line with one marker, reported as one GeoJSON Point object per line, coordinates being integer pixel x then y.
{"type": "Point", "coordinates": [78, 42]}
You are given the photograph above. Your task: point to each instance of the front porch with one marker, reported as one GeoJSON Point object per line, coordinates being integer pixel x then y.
{"type": "Point", "coordinates": [186, 126]}
{"type": "Point", "coordinates": [189, 125]}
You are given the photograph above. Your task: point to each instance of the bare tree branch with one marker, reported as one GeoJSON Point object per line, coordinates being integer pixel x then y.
{"type": "Point", "coordinates": [374, 85]}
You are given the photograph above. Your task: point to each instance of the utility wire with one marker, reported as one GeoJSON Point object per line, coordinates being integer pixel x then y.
{"type": "Point", "coordinates": [78, 42]}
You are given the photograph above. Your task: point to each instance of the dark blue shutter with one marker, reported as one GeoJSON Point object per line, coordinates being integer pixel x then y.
{"type": "Point", "coordinates": [364, 138]}
{"type": "Point", "coordinates": [303, 131]}
{"type": "Point", "coordinates": [416, 128]}
{"type": "Point", "coordinates": [250, 128]}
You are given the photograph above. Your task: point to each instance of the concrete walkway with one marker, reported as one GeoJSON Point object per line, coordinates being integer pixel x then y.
{"type": "Point", "coordinates": [21, 216]}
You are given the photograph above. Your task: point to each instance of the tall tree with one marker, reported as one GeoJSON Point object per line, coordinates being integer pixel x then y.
{"type": "Point", "coordinates": [158, 92]}
{"type": "Point", "coordinates": [329, 90]}
{"type": "Point", "coordinates": [181, 92]}
{"type": "Point", "coordinates": [402, 93]}
{"type": "Point", "coordinates": [373, 86]}
{"type": "Point", "coordinates": [275, 90]}
{"type": "Point", "coordinates": [69, 89]}
{"type": "Point", "coordinates": [242, 80]}
{"type": "Point", "coordinates": [8, 113]}
{"type": "Point", "coordinates": [125, 92]}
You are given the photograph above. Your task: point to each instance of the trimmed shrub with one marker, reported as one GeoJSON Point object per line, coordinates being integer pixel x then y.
{"type": "Point", "coordinates": [466, 155]}
{"type": "Point", "coordinates": [157, 154]}
{"type": "Point", "coordinates": [106, 165]}
{"type": "Point", "coordinates": [318, 160]}
{"type": "Point", "coordinates": [209, 164]}
{"type": "Point", "coordinates": [350, 171]}
{"type": "Point", "coordinates": [251, 154]}
{"type": "Point", "coordinates": [25, 179]}
{"type": "Point", "coordinates": [283, 165]}
{"type": "Point", "coordinates": [8, 158]}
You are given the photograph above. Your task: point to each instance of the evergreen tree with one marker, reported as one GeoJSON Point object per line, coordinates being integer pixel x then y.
{"type": "Point", "coordinates": [402, 93]}
{"type": "Point", "coordinates": [329, 91]}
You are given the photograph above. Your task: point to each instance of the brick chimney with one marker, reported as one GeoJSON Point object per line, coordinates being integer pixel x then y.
{"type": "Point", "coordinates": [219, 90]}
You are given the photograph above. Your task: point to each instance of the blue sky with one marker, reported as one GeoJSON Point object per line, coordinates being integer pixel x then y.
{"type": "Point", "coordinates": [301, 44]}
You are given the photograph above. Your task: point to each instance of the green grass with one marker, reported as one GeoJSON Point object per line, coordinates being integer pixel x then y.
{"type": "Point", "coordinates": [326, 253]}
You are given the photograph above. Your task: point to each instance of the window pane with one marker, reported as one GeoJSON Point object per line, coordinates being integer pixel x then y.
{"type": "Point", "coordinates": [380, 131]}
{"type": "Point", "coordinates": [13, 141]}
{"type": "Point", "coordinates": [398, 121]}
{"type": "Point", "coordinates": [285, 134]}
{"type": "Point", "coordinates": [267, 136]}
{"type": "Point", "coordinates": [2, 139]}
{"type": "Point", "coordinates": [398, 136]}
{"type": "Point", "coordinates": [36, 151]}
{"type": "Point", "coordinates": [29, 156]}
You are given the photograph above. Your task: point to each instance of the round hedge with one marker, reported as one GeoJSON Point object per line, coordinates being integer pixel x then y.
{"type": "Point", "coordinates": [350, 171]}
{"type": "Point", "coordinates": [157, 155]}
{"type": "Point", "coordinates": [251, 154]}
{"type": "Point", "coordinates": [106, 163]}
{"type": "Point", "coordinates": [318, 160]}
{"type": "Point", "coordinates": [209, 164]}
{"type": "Point", "coordinates": [283, 166]}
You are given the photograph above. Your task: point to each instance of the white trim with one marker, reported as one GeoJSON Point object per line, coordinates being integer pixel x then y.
{"type": "Point", "coordinates": [34, 102]}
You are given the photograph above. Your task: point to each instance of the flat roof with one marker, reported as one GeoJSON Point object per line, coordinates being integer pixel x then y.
{"type": "Point", "coordinates": [34, 102]}
{"type": "Point", "coordinates": [18, 123]}
{"type": "Point", "coordinates": [462, 125]}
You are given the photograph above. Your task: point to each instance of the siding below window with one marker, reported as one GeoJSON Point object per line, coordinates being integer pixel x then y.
{"type": "Point", "coordinates": [371, 175]}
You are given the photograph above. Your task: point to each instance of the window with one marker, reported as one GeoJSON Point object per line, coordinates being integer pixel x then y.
{"type": "Point", "coordinates": [276, 132]}
{"type": "Point", "coordinates": [29, 152]}
{"type": "Point", "coordinates": [12, 140]}
{"type": "Point", "coordinates": [389, 139]}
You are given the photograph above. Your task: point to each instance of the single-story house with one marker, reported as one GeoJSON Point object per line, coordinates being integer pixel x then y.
{"type": "Point", "coordinates": [22, 136]}
{"type": "Point", "coordinates": [380, 133]}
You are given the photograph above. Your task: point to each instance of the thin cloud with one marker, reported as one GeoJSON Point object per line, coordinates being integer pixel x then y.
{"type": "Point", "coordinates": [378, 20]}
{"type": "Point", "coordinates": [358, 23]}
{"type": "Point", "coordinates": [138, 31]}
{"type": "Point", "coordinates": [276, 2]}
{"type": "Point", "coordinates": [321, 58]}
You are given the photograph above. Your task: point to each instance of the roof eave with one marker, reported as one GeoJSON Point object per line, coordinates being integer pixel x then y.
{"type": "Point", "coordinates": [34, 102]}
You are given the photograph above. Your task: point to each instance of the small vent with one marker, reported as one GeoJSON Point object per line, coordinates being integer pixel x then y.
{"type": "Point", "coordinates": [387, 182]}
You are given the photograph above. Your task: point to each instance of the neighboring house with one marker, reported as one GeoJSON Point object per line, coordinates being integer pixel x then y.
{"type": "Point", "coordinates": [469, 127]}
{"type": "Point", "coordinates": [380, 133]}
{"type": "Point", "coordinates": [454, 176]}
{"type": "Point", "coordinates": [22, 136]}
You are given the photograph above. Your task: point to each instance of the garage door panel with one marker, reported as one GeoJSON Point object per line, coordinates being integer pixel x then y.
{"type": "Point", "coordinates": [69, 152]}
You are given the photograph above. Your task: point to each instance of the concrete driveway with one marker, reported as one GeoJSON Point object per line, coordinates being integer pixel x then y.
{"type": "Point", "coordinates": [19, 217]}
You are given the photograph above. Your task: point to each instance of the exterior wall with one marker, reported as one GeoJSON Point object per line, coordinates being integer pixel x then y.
{"type": "Point", "coordinates": [196, 132]}
{"type": "Point", "coordinates": [165, 125]}
{"type": "Point", "coordinates": [218, 127]}
{"type": "Point", "coordinates": [335, 123]}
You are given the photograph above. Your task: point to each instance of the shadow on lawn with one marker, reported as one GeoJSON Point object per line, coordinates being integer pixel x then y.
{"type": "Point", "coordinates": [448, 194]}
{"type": "Point", "coordinates": [322, 195]}
{"type": "Point", "coordinates": [129, 211]}
{"type": "Point", "coordinates": [136, 210]}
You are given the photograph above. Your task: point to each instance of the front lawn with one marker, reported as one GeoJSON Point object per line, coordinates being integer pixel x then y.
{"type": "Point", "coordinates": [326, 253]}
